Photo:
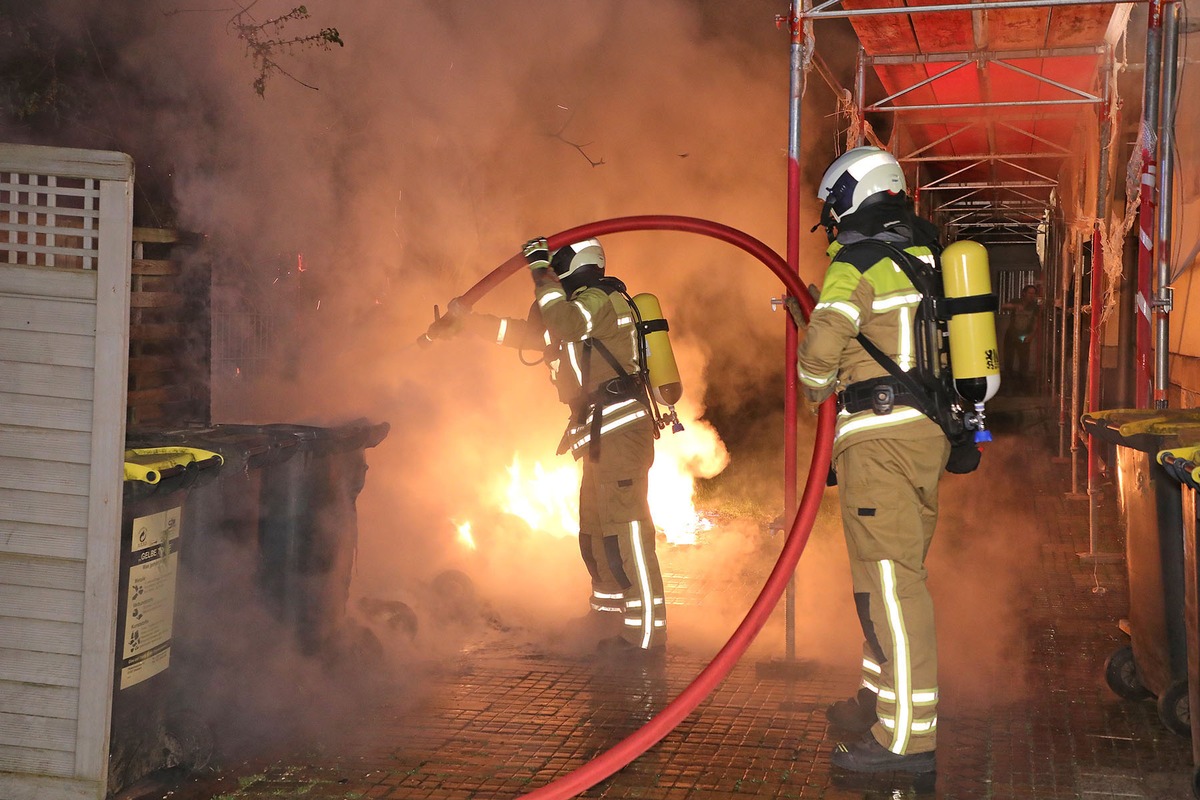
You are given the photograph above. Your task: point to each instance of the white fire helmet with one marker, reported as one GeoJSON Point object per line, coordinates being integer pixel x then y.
{"type": "Point", "coordinates": [855, 177]}
{"type": "Point", "coordinates": [569, 259]}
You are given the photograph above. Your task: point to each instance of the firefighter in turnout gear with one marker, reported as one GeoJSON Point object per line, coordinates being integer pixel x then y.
{"type": "Point", "coordinates": [586, 329]}
{"type": "Point", "coordinates": [888, 458]}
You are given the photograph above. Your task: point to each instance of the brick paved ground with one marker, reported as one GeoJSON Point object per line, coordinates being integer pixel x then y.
{"type": "Point", "coordinates": [1025, 626]}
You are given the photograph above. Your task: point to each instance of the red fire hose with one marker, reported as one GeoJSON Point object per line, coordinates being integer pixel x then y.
{"type": "Point", "coordinates": [638, 742]}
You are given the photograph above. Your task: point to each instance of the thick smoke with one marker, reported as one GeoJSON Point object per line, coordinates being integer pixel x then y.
{"type": "Point", "coordinates": [435, 142]}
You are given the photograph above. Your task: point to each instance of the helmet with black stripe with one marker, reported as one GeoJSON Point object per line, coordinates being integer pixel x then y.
{"type": "Point", "coordinates": [569, 259]}
{"type": "Point", "coordinates": [578, 264]}
{"type": "Point", "coordinates": [856, 180]}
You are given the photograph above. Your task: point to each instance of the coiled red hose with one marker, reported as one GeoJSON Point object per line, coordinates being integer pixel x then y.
{"type": "Point", "coordinates": [638, 742]}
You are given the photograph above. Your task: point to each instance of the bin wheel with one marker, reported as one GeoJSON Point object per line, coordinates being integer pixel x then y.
{"type": "Point", "coordinates": [1173, 708]}
{"type": "Point", "coordinates": [189, 740]}
{"type": "Point", "coordinates": [1196, 782]}
{"type": "Point", "coordinates": [1120, 672]}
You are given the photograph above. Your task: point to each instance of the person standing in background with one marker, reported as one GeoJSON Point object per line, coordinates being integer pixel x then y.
{"type": "Point", "coordinates": [1020, 336]}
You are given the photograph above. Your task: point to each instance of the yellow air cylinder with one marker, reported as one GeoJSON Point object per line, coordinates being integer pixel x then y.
{"type": "Point", "coordinates": [660, 359]}
{"type": "Point", "coordinates": [974, 357]}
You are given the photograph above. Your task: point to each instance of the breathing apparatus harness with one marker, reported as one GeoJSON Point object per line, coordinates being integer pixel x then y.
{"type": "Point", "coordinates": [931, 389]}
{"type": "Point", "coordinates": [626, 386]}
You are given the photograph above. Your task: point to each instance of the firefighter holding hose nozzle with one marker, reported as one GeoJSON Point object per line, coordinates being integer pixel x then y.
{"type": "Point", "coordinates": [591, 337]}
{"type": "Point", "coordinates": [888, 455]}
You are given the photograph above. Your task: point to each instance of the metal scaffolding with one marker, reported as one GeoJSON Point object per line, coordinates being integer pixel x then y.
{"type": "Point", "coordinates": [998, 138]}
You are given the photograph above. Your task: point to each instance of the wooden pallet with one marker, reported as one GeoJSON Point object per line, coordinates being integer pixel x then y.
{"type": "Point", "coordinates": [169, 333]}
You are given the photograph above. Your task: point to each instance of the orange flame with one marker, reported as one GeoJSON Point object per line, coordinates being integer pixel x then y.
{"type": "Point", "coordinates": [547, 498]}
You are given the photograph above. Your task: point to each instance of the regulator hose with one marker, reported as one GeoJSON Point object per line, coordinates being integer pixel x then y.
{"type": "Point", "coordinates": [609, 762]}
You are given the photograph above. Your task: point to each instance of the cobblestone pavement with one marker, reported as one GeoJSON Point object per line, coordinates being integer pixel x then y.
{"type": "Point", "coordinates": [1025, 711]}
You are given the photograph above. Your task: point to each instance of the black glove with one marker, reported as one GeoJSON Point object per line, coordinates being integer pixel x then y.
{"type": "Point", "coordinates": [445, 326]}
{"type": "Point", "coordinates": [537, 254]}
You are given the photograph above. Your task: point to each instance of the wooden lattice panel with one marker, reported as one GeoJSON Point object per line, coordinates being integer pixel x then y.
{"type": "Point", "coordinates": [48, 220]}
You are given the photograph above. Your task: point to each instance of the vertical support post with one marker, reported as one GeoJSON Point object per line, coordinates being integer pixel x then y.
{"type": "Point", "coordinates": [1064, 255]}
{"type": "Point", "coordinates": [1146, 215]}
{"type": "Point", "coordinates": [1046, 340]}
{"type": "Point", "coordinates": [800, 54]}
{"type": "Point", "coordinates": [1097, 302]}
{"type": "Point", "coordinates": [1166, 157]}
{"type": "Point", "coordinates": [860, 104]}
{"type": "Point", "coordinates": [1076, 340]}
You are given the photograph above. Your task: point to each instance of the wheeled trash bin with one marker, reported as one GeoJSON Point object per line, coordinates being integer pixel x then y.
{"type": "Point", "coordinates": [1154, 663]}
{"type": "Point", "coordinates": [1183, 464]}
{"type": "Point", "coordinates": [264, 579]}
{"type": "Point", "coordinates": [308, 535]}
{"type": "Point", "coordinates": [144, 736]}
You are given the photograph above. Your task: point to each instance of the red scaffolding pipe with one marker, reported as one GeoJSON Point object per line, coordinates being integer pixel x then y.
{"type": "Point", "coordinates": [1147, 213]}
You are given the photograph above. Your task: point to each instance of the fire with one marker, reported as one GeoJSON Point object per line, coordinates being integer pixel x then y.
{"type": "Point", "coordinates": [464, 534]}
{"type": "Point", "coordinates": [547, 498]}
{"type": "Point", "coordinates": [679, 459]}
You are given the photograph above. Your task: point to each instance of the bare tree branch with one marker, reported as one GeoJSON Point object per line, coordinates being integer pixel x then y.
{"type": "Point", "coordinates": [265, 42]}
{"type": "Point", "coordinates": [559, 135]}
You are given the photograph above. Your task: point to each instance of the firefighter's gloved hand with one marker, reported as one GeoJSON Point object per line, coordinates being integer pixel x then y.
{"type": "Point", "coordinates": [793, 307]}
{"type": "Point", "coordinates": [445, 326]}
{"type": "Point", "coordinates": [537, 254]}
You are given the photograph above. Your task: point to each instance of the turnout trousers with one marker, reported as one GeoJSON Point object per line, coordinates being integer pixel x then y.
{"type": "Point", "coordinates": [616, 534]}
{"type": "Point", "coordinates": [889, 495]}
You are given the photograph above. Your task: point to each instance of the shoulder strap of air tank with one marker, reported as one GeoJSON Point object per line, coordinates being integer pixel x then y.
{"type": "Point", "coordinates": [610, 284]}
{"type": "Point", "coordinates": [867, 252]}
{"type": "Point", "coordinates": [915, 269]}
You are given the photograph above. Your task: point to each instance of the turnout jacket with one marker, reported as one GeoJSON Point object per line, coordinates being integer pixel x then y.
{"type": "Point", "coordinates": [570, 332]}
{"type": "Point", "coordinates": [881, 304]}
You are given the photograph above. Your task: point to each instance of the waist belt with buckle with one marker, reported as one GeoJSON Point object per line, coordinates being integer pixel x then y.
{"type": "Point", "coordinates": [611, 391]}
{"type": "Point", "coordinates": [626, 387]}
{"type": "Point", "coordinates": [880, 395]}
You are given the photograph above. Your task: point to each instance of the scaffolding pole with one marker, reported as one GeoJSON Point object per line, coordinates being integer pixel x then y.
{"type": "Point", "coordinates": [860, 90]}
{"type": "Point", "coordinates": [1166, 158]}
{"type": "Point", "coordinates": [1064, 255]}
{"type": "Point", "coordinates": [1147, 232]}
{"type": "Point", "coordinates": [1097, 300]}
{"type": "Point", "coordinates": [801, 53]}
{"type": "Point", "coordinates": [1076, 339]}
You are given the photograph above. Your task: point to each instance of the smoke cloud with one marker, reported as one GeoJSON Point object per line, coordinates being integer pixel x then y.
{"type": "Point", "coordinates": [434, 143]}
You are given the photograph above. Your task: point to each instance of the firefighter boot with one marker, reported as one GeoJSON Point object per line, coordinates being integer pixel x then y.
{"type": "Point", "coordinates": [869, 755]}
{"type": "Point", "coordinates": [856, 715]}
{"type": "Point", "coordinates": [619, 650]}
{"type": "Point", "coordinates": [581, 634]}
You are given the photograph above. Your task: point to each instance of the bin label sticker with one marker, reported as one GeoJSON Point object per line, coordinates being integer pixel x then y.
{"type": "Point", "coordinates": [150, 606]}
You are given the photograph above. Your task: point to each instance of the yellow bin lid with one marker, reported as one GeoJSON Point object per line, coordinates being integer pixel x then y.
{"type": "Point", "coordinates": [148, 464]}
